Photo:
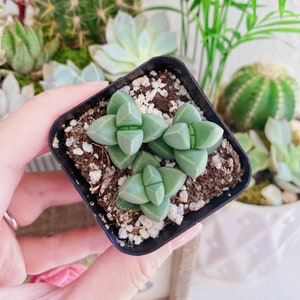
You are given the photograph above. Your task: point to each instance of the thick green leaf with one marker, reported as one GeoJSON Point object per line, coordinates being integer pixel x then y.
{"type": "Point", "coordinates": [142, 160]}
{"type": "Point", "coordinates": [125, 205]}
{"type": "Point", "coordinates": [116, 100]}
{"type": "Point", "coordinates": [155, 193]}
{"type": "Point", "coordinates": [103, 130]}
{"type": "Point", "coordinates": [119, 158]}
{"type": "Point", "coordinates": [177, 136]}
{"type": "Point", "coordinates": [151, 175]}
{"type": "Point", "coordinates": [156, 213]}
{"type": "Point", "coordinates": [173, 179]}
{"type": "Point", "coordinates": [130, 141]}
{"type": "Point", "coordinates": [161, 148]}
{"type": "Point", "coordinates": [188, 114]}
{"type": "Point", "coordinates": [133, 190]}
{"type": "Point", "coordinates": [128, 115]}
{"type": "Point", "coordinates": [153, 127]}
{"type": "Point", "coordinates": [192, 162]}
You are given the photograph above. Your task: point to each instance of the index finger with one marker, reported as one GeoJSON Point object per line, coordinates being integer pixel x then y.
{"type": "Point", "coordinates": [24, 133]}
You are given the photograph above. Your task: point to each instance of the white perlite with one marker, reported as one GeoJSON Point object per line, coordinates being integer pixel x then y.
{"type": "Point", "coordinates": [95, 176]}
{"type": "Point", "coordinates": [87, 147]}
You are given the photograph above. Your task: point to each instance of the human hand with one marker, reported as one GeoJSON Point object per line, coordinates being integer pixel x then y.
{"type": "Point", "coordinates": [23, 135]}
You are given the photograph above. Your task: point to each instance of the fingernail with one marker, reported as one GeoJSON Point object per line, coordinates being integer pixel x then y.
{"type": "Point", "coordinates": [186, 236]}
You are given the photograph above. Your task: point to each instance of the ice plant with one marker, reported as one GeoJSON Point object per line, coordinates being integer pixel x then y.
{"type": "Point", "coordinates": [56, 74]}
{"type": "Point", "coordinates": [132, 41]}
{"type": "Point", "coordinates": [150, 187]}
{"type": "Point", "coordinates": [124, 129]}
{"type": "Point", "coordinates": [25, 49]}
{"type": "Point", "coordinates": [12, 96]}
{"type": "Point", "coordinates": [257, 92]}
{"type": "Point", "coordinates": [188, 140]}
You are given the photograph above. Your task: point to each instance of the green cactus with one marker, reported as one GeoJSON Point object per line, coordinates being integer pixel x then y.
{"type": "Point", "coordinates": [257, 92]}
{"type": "Point", "coordinates": [150, 187]}
{"type": "Point", "coordinates": [189, 140]}
{"type": "Point", "coordinates": [24, 47]}
{"type": "Point", "coordinates": [124, 129]}
{"type": "Point", "coordinates": [79, 22]}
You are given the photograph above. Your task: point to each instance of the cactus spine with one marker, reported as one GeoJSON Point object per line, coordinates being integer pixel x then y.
{"type": "Point", "coordinates": [257, 92]}
{"type": "Point", "coordinates": [79, 22]}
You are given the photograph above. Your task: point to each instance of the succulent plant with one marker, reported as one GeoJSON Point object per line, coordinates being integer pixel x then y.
{"type": "Point", "coordinates": [24, 48]}
{"type": "Point", "coordinates": [275, 152]}
{"type": "Point", "coordinates": [188, 140]}
{"type": "Point", "coordinates": [11, 96]}
{"type": "Point", "coordinates": [124, 129]}
{"type": "Point", "coordinates": [257, 92]}
{"type": "Point", "coordinates": [132, 41]}
{"type": "Point", "coordinates": [56, 74]}
{"type": "Point", "coordinates": [150, 187]}
{"type": "Point", "coordinates": [79, 22]}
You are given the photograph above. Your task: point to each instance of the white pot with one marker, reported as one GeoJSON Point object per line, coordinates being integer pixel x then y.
{"type": "Point", "coordinates": [45, 162]}
{"type": "Point", "coordinates": [242, 241]}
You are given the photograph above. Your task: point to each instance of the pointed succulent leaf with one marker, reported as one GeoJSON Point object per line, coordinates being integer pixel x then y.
{"type": "Point", "coordinates": [165, 43]}
{"type": "Point", "coordinates": [119, 158]}
{"type": "Point", "coordinates": [244, 140]}
{"type": "Point", "coordinates": [133, 190]}
{"type": "Point", "coordinates": [128, 115]}
{"type": "Point", "coordinates": [173, 179]}
{"type": "Point", "coordinates": [130, 141]}
{"type": "Point", "coordinates": [192, 162]}
{"type": "Point", "coordinates": [278, 132]}
{"type": "Point", "coordinates": [117, 53]}
{"type": "Point", "coordinates": [8, 44]}
{"type": "Point", "coordinates": [151, 175]}
{"type": "Point", "coordinates": [161, 148]}
{"type": "Point", "coordinates": [257, 141]}
{"type": "Point", "coordinates": [143, 45]}
{"type": "Point", "coordinates": [34, 46]}
{"type": "Point", "coordinates": [156, 213]}
{"type": "Point", "coordinates": [188, 114]}
{"type": "Point", "coordinates": [157, 24]}
{"type": "Point", "coordinates": [90, 73]}
{"type": "Point", "coordinates": [142, 160]}
{"type": "Point", "coordinates": [155, 193]}
{"type": "Point", "coordinates": [22, 62]}
{"type": "Point", "coordinates": [153, 127]}
{"type": "Point", "coordinates": [207, 134]}
{"type": "Point", "coordinates": [259, 160]}
{"type": "Point", "coordinates": [20, 31]}
{"type": "Point", "coordinates": [214, 147]}
{"type": "Point", "coordinates": [116, 100]}
{"type": "Point", "coordinates": [177, 136]}
{"type": "Point", "coordinates": [125, 205]}
{"type": "Point", "coordinates": [103, 130]}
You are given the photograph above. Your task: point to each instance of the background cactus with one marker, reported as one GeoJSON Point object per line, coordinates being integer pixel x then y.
{"type": "Point", "coordinates": [257, 92]}
{"type": "Point", "coordinates": [79, 22]}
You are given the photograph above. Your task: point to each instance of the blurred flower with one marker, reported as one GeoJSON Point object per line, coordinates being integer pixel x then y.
{"type": "Point", "coordinates": [60, 276]}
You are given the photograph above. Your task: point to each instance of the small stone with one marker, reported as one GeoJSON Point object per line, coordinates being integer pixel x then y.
{"type": "Point", "coordinates": [87, 147]}
{"type": "Point", "coordinates": [95, 176]}
{"type": "Point", "coordinates": [78, 151]}
{"type": "Point", "coordinates": [272, 194]}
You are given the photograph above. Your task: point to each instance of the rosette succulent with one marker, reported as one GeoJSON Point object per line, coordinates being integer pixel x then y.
{"type": "Point", "coordinates": [150, 187]}
{"type": "Point", "coordinates": [11, 96]}
{"type": "Point", "coordinates": [124, 129]}
{"type": "Point", "coordinates": [24, 47]}
{"type": "Point", "coordinates": [132, 41]}
{"type": "Point", "coordinates": [257, 92]}
{"type": "Point", "coordinates": [56, 74]}
{"type": "Point", "coordinates": [189, 140]}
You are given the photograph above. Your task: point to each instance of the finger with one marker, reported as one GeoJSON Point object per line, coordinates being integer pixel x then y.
{"type": "Point", "coordinates": [121, 275]}
{"type": "Point", "coordinates": [38, 191]}
{"type": "Point", "coordinates": [44, 253]}
{"type": "Point", "coordinates": [23, 134]}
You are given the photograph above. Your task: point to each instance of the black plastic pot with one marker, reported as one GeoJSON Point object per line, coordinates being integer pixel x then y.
{"type": "Point", "coordinates": [171, 231]}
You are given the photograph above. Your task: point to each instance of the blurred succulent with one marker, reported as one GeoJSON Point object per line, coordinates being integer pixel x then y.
{"type": "Point", "coordinates": [257, 92]}
{"type": "Point", "coordinates": [150, 187]}
{"type": "Point", "coordinates": [132, 41]}
{"type": "Point", "coordinates": [124, 128]}
{"type": "Point", "coordinates": [11, 96]}
{"type": "Point", "coordinates": [275, 152]}
{"type": "Point", "coordinates": [24, 48]}
{"type": "Point", "coordinates": [189, 140]}
{"type": "Point", "coordinates": [56, 74]}
{"type": "Point", "coordinates": [78, 22]}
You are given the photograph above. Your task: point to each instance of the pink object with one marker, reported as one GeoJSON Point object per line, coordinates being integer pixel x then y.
{"type": "Point", "coordinates": [60, 276]}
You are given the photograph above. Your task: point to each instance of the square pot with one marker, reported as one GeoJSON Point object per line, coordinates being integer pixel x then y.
{"type": "Point", "coordinates": [170, 231]}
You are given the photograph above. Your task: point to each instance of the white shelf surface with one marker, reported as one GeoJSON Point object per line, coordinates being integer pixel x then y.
{"type": "Point", "coordinates": [282, 283]}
